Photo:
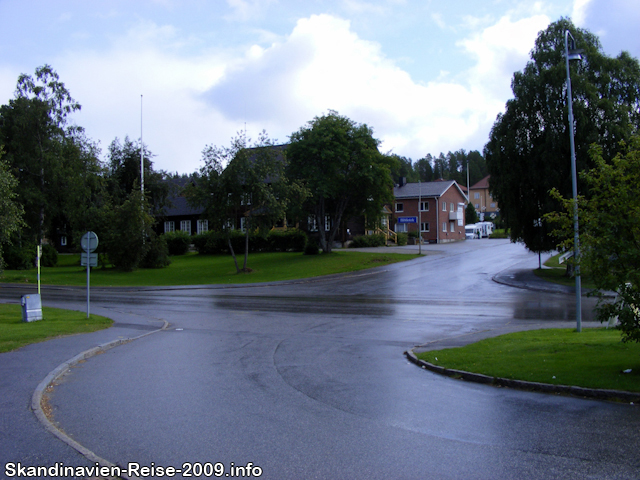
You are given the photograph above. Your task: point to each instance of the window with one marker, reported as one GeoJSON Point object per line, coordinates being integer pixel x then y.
{"type": "Point", "coordinates": [453, 206]}
{"type": "Point", "coordinates": [230, 225]}
{"type": "Point", "coordinates": [399, 207]}
{"type": "Point", "coordinates": [202, 226]}
{"type": "Point", "coordinates": [63, 241]}
{"type": "Point", "coordinates": [424, 206]}
{"type": "Point", "coordinates": [493, 205]}
{"type": "Point", "coordinates": [401, 227]}
{"type": "Point", "coordinates": [424, 227]}
{"type": "Point", "coordinates": [476, 195]}
{"type": "Point", "coordinates": [444, 226]}
{"type": "Point", "coordinates": [312, 223]}
{"type": "Point", "coordinates": [327, 223]}
{"type": "Point", "coordinates": [243, 221]}
{"type": "Point", "coordinates": [444, 206]}
{"type": "Point", "coordinates": [169, 227]}
{"type": "Point", "coordinates": [185, 226]}
{"type": "Point", "coordinates": [245, 199]}
{"type": "Point", "coordinates": [477, 205]}
{"type": "Point", "coordinates": [452, 226]}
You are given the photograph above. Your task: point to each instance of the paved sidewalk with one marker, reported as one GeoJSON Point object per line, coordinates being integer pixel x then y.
{"type": "Point", "coordinates": [24, 439]}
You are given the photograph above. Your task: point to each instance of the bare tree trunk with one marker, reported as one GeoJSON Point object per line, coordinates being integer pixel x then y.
{"type": "Point", "coordinates": [246, 243]}
{"type": "Point", "coordinates": [235, 260]}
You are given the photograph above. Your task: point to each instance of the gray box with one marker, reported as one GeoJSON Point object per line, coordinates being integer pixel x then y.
{"type": "Point", "coordinates": [31, 307]}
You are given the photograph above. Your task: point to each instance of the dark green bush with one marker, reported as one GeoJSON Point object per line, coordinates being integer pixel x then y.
{"type": "Point", "coordinates": [157, 254]}
{"type": "Point", "coordinates": [364, 241]}
{"type": "Point", "coordinates": [403, 237]}
{"type": "Point", "coordinates": [214, 243]}
{"type": "Point", "coordinates": [311, 248]}
{"type": "Point", "coordinates": [178, 242]}
{"type": "Point", "coordinates": [49, 256]}
{"type": "Point", "coordinates": [18, 257]}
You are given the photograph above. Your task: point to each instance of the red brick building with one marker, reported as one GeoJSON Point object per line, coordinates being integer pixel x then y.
{"type": "Point", "coordinates": [437, 208]}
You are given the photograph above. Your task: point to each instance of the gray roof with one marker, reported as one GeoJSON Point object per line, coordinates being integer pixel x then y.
{"type": "Point", "coordinates": [426, 189]}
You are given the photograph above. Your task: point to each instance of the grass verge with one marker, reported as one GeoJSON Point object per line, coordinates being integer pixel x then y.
{"type": "Point", "coordinates": [594, 358]}
{"type": "Point", "coordinates": [14, 333]}
{"type": "Point", "coordinates": [556, 273]}
{"type": "Point", "coordinates": [194, 269]}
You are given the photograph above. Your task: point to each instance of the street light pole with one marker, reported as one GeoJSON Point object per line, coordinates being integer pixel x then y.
{"type": "Point", "coordinates": [574, 55]}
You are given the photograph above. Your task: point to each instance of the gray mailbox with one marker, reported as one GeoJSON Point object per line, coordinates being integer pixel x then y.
{"type": "Point", "coordinates": [31, 307]}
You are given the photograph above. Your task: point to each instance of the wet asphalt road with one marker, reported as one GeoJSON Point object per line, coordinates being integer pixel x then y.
{"type": "Point", "coordinates": [308, 380]}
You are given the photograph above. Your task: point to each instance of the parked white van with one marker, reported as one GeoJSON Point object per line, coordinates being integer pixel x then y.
{"type": "Point", "coordinates": [472, 231]}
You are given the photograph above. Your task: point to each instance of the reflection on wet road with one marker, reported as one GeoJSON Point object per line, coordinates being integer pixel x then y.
{"type": "Point", "coordinates": [308, 380]}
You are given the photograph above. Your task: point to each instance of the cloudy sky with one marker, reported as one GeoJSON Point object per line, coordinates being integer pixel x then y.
{"type": "Point", "coordinates": [427, 76]}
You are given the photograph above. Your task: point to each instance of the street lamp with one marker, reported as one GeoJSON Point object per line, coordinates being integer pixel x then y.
{"type": "Point", "coordinates": [574, 54]}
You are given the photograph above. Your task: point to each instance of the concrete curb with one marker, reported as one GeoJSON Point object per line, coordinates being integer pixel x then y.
{"type": "Point", "coordinates": [597, 394]}
{"type": "Point", "coordinates": [38, 394]}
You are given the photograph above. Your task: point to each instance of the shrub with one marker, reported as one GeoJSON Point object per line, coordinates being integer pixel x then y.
{"type": "Point", "coordinates": [178, 242]}
{"type": "Point", "coordinates": [311, 248]}
{"type": "Point", "coordinates": [18, 257]}
{"type": "Point", "coordinates": [364, 241]}
{"type": "Point", "coordinates": [293, 240]}
{"type": "Point", "coordinates": [403, 238]}
{"type": "Point", "coordinates": [157, 254]}
{"type": "Point", "coordinates": [49, 256]}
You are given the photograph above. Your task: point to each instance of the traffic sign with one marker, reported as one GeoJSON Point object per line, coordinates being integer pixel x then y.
{"type": "Point", "coordinates": [89, 259]}
{"type": "Point", "coordinates": [89, 242]}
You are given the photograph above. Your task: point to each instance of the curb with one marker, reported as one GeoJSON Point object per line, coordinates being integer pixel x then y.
{"type": "Point", "coordinates": [593, 393]}
{"type": "Point", "coordinates": [38, 394]}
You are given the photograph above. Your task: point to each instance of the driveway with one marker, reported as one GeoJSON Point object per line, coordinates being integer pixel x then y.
{"type": "Point", "coordinates": [308, 379]}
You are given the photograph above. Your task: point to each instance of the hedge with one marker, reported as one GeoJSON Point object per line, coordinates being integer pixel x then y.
{"type": "Point", "coordinates": [212, 243]}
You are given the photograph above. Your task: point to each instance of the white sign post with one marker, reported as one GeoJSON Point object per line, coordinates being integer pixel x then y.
{"type": "Point", "coordinates": [89, 243]}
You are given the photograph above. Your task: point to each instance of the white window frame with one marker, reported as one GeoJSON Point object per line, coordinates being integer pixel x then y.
{"type": "Point", "coordinates": [452, 227]}
{"type": "Point", "coordinates": [243, 224]}
{"type": "Point", "coordinates": [327, 223]}
{"type": "Point", "coordinates": [444, 227]}
{"type": "Point", "coordinates": [185, 226]}
{"type": "Point", "coordinates": [401, 227]}
{"type": "Point", "coordinates": [169, 226]}
{"type": "Point", "coordinates": [425, 227]}
{"type": "Point", "coordinates": [312, 223]}
{"type": "Point", "coordinates": [476, 195]}
{"type": "Point", "coordinates": [453, 207]}
{"type": "Point", "coordinates": [399, 207]}
{"type": "Point", "coordinates": [63, 240]}
{"type": "Point", "coordinates": [424, 206]}
{"type": "Point", "coordinates": [202, 226]}
{"type": "Point", "coordinates": [444, 206]}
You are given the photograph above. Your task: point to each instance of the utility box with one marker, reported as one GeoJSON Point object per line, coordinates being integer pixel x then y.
{"type": "Point", "coordinates": [31, 307]}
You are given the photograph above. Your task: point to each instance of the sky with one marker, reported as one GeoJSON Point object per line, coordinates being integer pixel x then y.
{"type": "Point", "coordinates": [427, 76]}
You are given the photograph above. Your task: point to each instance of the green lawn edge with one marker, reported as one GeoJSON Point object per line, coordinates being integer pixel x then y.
{"type": "Point", "coordinates": [56, 322]}
{"type": "Point", "coordinates": [595, 358]}
{"type": "Point", "coordinates": [194, 269]}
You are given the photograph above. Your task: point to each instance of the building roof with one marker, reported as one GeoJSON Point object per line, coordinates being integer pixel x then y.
{"type": "Point", "coordinates": [484, 183]}
{"type": "Point", "coordinates": [177, 205]}
{"type": "Point", "coordinates": [426, 189]}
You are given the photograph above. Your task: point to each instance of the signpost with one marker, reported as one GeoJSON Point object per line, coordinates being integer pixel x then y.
{"type": "Point", "coordinates": [89, 243]}
{"type": "Point", "coordinates": [407, 219]}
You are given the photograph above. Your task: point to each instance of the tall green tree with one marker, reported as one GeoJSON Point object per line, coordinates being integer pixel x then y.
{"type": "Point", "coordinates": [33, 129]}
{"type": "Point", "coordinates": [11, 211]}
{"type": "Point", "coordinates": [339, 163]}
{"type": "Point", "coordinates": [528, 152]}
{"type": "Point", "coordinates": [609, 233]}
{"type": "Point", "coordinates": [246, 181]}
{"type": "Point", "coordinates": [123, 172]}
{"type": "Point", "coordinates": [424, 169]}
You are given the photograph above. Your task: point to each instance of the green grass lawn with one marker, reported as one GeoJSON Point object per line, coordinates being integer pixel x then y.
{"type": "Point", "coordinates": [14, 333]}
{"type": "Point", "coordinates": [556, 273]}
{"type": "Point", "coordinates": [594, 358]}
{"type": "Point", "coordinates": [194, 269]}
